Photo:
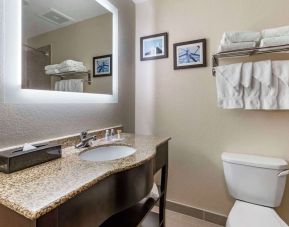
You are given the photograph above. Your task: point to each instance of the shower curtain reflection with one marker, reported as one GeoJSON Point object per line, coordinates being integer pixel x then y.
{"type": "Point", "coordinates": [33, 63]}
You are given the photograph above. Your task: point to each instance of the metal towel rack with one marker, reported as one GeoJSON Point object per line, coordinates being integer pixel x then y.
{"type": "Point", "coordinates": [65, 74]}
{"type": "Point", "coordinates": [247, 52]}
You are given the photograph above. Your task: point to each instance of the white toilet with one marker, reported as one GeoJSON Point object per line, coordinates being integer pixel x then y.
{"type": "Point", "coordinates": [258, 184]}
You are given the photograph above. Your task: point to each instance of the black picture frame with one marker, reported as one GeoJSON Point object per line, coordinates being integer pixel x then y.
{"type": "Point", "coordinates": [165, 51]}
{"type": "Point", "coordinates": [101, 74]}
{"type": "Point", "coordinates": [203, 57]}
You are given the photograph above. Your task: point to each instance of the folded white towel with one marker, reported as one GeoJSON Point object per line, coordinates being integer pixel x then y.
{"type": "Point", "coordinates": [70, 63]}
{"type": "Point", "coordinates": [275, 32]}
{"type": "Point", "coordinates": [274, 41]}
{"type": "Point", "coordinates": [241, 36]}
{"type": "Point", "coordinates": [235, 46]}
{"type": "Point", "coordinates": [51, 67]}
{"type": "Point", "coordinates": [51, 71]}
{"type": "Point", "coordinates": [252, 87]}
{"type": "Point", "coordinates": [229, 90]}
{"type": "Point", "coordinates": [262, 71]}
{"type": "Point", "coordinates": [73, 69]}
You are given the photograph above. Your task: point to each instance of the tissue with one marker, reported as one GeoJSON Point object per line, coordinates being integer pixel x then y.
{"type": "Point", "coordinates": [28, 147]}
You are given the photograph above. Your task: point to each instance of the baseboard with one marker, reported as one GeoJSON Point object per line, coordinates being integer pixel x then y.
{"type": "Point", "coordinates": [196, 213]}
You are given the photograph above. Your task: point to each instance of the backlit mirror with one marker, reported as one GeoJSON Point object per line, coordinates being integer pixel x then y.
{"type": "Point", "coordinates": [67, 46]}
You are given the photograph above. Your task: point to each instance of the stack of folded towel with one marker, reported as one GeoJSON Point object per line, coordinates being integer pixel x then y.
{"type": "Point", "coordinates": [239, 40]}
{"type": "Point", "coordinates": [253, 85]}
{"type": "Point", "coordinates": [275, 36]}
{"type": "Point", "coordinates": [65, 66]}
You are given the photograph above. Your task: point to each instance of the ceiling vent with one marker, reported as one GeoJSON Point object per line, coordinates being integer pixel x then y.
{"type": "Point", "coordinates": [56, 17]}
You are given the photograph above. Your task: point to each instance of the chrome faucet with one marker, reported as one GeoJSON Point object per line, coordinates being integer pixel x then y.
{"type": "Point", "coordinates": [84, 140]}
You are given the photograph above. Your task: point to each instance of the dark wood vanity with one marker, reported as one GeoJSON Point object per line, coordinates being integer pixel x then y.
{"type": "Point", "coordinates": [121, 199]}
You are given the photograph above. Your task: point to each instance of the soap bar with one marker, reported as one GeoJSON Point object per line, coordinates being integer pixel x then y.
{"type": "Point", "coordinates": [16, 159]}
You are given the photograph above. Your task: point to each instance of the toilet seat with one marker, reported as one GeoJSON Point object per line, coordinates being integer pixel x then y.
{"type": "Point", "coordinates": [249, 215]}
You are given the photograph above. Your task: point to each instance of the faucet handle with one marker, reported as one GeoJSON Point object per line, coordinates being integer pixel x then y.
{"type": "Point", "coordinates": [83, 134]}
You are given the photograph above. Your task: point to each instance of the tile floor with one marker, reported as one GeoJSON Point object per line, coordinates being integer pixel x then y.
{"type": "Point", "coordinates": [174, 219]}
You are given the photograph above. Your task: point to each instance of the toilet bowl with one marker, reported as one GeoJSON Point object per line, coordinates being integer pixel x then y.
{"type": "Point", "coordinates": [258, 184]}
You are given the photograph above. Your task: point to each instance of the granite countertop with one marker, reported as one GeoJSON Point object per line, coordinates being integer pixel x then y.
{"type": "Point", "coordinates": [36, 191]}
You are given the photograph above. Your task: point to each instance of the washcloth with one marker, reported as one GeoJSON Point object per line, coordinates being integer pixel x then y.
{"type": "Point", "coordinates": [251, 87]}
{"type": "Point", "coordinates": [241, 36]}
{"type": "Point", "coordinates": [225, 46]}
{"type": "Point", "coordinates": [275, 32]}
{"type": "Point", "coordinates": [281, 70]}
{"type": "Point", "coordinates": [262, 71]}
{"type": "Point", "coordinates": [274, 41]}
{"type": "Point", "coordinates": [229, 89]}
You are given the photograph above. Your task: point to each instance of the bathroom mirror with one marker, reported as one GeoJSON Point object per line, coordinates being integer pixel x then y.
{"type": "Point", "coordinates": [67, 46]}
{"type": "Point", "coordinates": [47, 43]}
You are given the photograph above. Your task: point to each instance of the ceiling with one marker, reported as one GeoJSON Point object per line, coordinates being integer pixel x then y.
{"type": "Point", "coordinates": [77, 10]}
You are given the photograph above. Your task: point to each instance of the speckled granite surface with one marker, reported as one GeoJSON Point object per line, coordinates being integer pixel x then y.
{"type": "Point", "coordinates": [36, 191]}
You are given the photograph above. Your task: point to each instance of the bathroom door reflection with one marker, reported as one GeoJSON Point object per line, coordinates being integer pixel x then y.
{"type": "Point", "coordinates": [33, 64]}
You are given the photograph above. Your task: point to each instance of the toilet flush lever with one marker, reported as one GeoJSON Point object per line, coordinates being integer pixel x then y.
{"type": "Point", "coordinates": [283, 173]}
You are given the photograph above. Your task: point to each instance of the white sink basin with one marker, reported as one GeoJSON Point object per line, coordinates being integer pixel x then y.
{"type": "Point", "coordinates": [107, 153]}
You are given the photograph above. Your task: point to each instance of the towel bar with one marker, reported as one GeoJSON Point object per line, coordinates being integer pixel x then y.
{"type": "Point", "coordinates": [247, 52]}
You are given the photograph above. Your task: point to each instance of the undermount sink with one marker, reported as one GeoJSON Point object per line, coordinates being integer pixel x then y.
{"type": "Point", "coordinates": [107, 153]}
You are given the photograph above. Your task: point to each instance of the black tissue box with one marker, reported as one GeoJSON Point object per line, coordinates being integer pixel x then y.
{"type": "Point", "coordinates": [16, 159]}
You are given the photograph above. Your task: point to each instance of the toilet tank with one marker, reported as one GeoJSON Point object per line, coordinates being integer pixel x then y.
{"type": "Point", "coordinates": [255, 179]}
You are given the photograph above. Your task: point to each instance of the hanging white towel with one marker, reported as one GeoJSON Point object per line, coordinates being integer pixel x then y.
{"type": "Point", "coordinates": [241, 36]}
{"type": "Point", "coordinates": [274, 41]}
{"type": "Point", "coordinates": [74, 85]}
{"type": "Point", "coordinates": [262, 71]}
{"type": "Point", "coordinates": [275, 32]}
{"type": "Point", "coordinates": [225, 46]}
{"type": "Point", "coordinates": [251, 87]}
{"type": "Point", "coordinates": [59, 86]}
{"type": "Point", "coordinates": [229, 90]}
{"type": "Point", "coordinates": [281, 71]}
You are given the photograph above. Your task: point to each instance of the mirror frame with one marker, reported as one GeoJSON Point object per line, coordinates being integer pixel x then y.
{"type": "Point", "coordinates": [11, 49]}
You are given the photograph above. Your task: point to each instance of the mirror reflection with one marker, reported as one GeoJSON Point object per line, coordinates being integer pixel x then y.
{"type": "Point", "coordinates": [67, 46]}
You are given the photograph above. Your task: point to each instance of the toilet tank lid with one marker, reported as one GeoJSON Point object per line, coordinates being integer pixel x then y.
{"type": "Point", "coordinates": [255, 161]}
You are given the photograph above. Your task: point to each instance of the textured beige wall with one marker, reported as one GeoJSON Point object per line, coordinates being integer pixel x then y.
{"type": "Point", "coordinates": [182, 104]}
{"type": "Point", "coordinates": [81, 41]}
{"type": "Point", "coordinates": [25, 122]}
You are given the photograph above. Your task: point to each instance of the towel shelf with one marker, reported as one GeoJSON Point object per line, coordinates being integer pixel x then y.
{"type": "Point", "coordinates": [247, 52]}
{"type": "Point", "coordinates": [70, 73]}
